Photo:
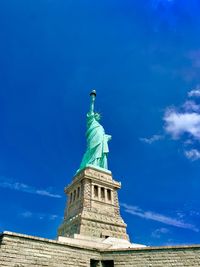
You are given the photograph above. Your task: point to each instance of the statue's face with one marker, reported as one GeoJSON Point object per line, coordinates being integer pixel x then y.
{"type": "Point", "coordinates": [97, 116]}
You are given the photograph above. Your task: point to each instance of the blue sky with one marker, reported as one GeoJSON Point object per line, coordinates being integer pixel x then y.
{"type": "Point", "coordinates": [143, 58]}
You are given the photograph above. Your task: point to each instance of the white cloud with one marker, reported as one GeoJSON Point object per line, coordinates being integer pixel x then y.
{"type": "Point", "coordinates": [46, 193]}
{"type": "Point", "coordinates": [27, 214]}
{"type": "Point", "coordinates": [149, 215]}
{"type": "Point", "coordinates": [53, 217]}
{"type": "Point", "coordinates": [39, 216]}
{"type": "Point", "coordinates": [159, 232]}
{"type": "Point", "coordinates": [184, 123]}
{"type": "Point", "coordinates": [13, 185]}
{"type": "Point", "coordinates": [194, 93]}
{"type": "Point", "coordinates": [152, 139]}
{"type": "Point", "coordinates": [177, 123]}
{"type": "Point", "coordinates": [191, 106]}
{"type": "Point", "coordinates": [180, 214]}
{"type": "Point", "coordinates": [192, 154]}
{"type": "Point", "coordinates": [188, 142]}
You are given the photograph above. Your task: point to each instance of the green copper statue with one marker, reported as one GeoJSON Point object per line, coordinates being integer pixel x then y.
{"type": "Point", "coordinates": [97, 140]}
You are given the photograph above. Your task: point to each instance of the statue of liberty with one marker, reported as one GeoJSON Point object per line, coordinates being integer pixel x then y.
{"type": "Point", "coordinates": [97, 140]}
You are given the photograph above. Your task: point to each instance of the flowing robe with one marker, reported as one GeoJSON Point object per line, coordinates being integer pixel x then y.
{"type": "Point", "coordinates": [97, 144]}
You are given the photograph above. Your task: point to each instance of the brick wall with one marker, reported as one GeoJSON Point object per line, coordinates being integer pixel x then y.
{"type": "Point", "coordinates": [26, 251]}
{"type": "Point", "coordinates": [18, 250]}
{"type": "Point", "coordinates": [156, 257]}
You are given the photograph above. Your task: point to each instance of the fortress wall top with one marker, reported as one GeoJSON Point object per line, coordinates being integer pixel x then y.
{"type": "Point", "coordinates": [19, 250]}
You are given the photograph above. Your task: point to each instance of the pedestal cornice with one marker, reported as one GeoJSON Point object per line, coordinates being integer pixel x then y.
{"type": "Point", "coordinates": [96, 175]}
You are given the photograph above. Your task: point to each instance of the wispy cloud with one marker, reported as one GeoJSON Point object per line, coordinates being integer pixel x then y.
{"type": "Point", "coordinates": [151, 139]}
{"type": "Point", "coordinates": [191, 106]}
{"type": "Point", "coordinates": [13, 185]}
{"type": "Point", "coordinates": [195, 92]}
{"type": "Point", "coordinates": [192, 154]}
{"type": "Point", "coordinates": [194, 213]}
{"type": "Point", "coordinates": [47, 193]}
{"type": "Point", "coordinates": [26, 214]}
{"type": "Point", "coordinates": [149, 215]}
{"type": "Point", "coordinates": [159, 232]}
{"type": "Point", "coordinates": [39, 216]}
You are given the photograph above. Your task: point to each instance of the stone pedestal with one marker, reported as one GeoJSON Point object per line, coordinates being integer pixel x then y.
{"type": "Point", "coordinates": [92, 208]}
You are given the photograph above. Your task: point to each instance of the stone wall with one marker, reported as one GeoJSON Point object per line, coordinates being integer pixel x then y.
{"type": "Point", "coordinates": [176, 256]}
{"type": "Point", "coordinates": [18, 250]}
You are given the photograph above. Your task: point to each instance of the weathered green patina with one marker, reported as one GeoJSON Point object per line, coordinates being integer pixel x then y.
{"type": "Point", "coordinates": [97, 140]}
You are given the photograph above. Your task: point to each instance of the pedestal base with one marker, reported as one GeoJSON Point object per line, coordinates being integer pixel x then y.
{"type": "Point", "coordinates": [93, 206]}
{"type": "Point", "coordinates": [99, 243]}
